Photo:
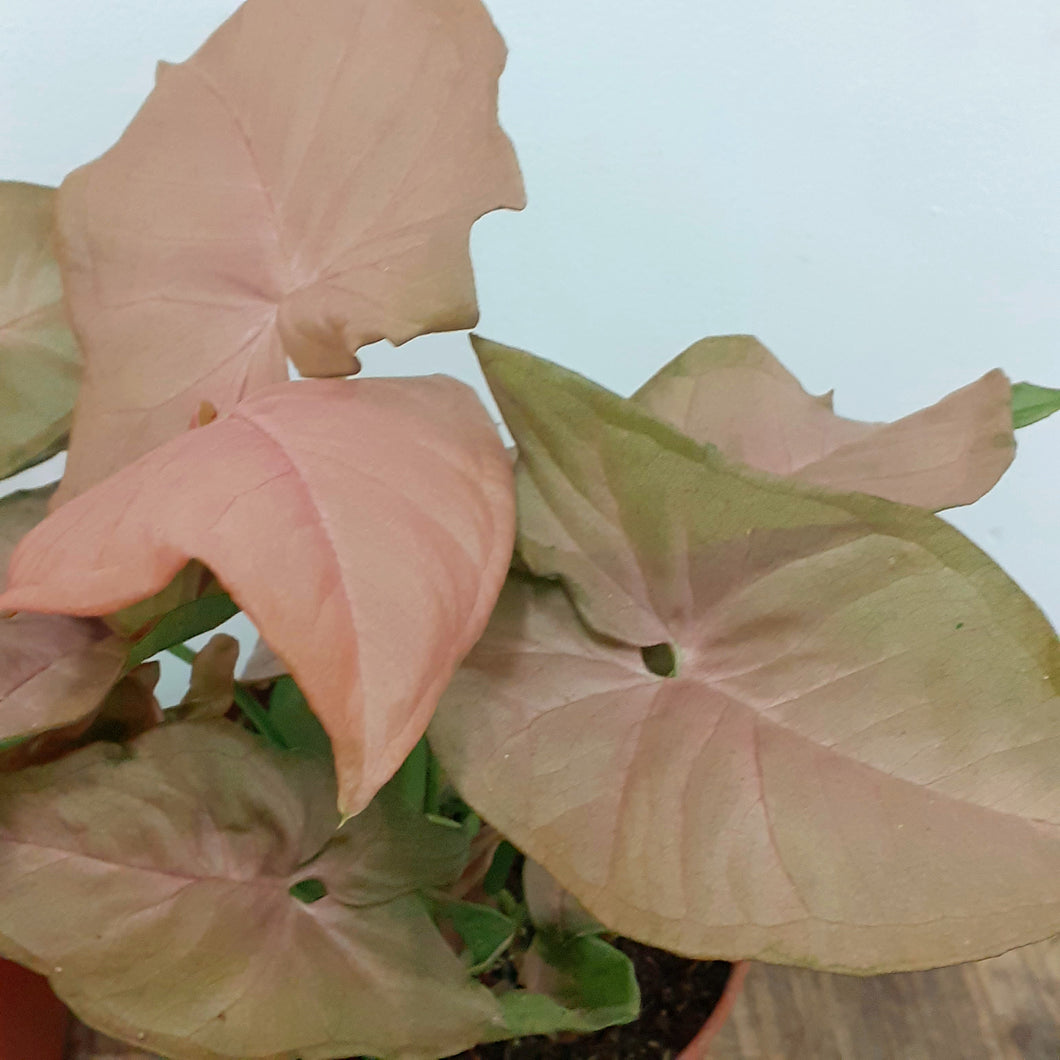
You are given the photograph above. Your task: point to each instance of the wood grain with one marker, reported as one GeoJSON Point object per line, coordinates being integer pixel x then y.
{"type": "Point", "coordinates": [1005, 1008]}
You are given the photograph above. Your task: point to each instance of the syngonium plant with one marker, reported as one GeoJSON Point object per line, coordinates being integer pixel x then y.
{"type": "Point", "coordinates": [737, 692]}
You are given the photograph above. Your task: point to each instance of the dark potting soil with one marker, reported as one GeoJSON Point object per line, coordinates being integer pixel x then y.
{"type": "Point", "coordinates": [677, 996]}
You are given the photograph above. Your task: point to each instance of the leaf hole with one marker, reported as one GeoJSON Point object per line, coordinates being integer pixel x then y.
{"type": "Point", "coordinates": [660, 659]}
{"type": "Point", "coordinates": [309, 891]}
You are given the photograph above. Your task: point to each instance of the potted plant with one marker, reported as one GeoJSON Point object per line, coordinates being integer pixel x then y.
{"type": "Point", "coordinates": [699, 670]}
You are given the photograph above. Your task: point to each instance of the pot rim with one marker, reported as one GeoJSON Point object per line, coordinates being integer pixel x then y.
{"type": "Point", "coordinates": [699, 1046]}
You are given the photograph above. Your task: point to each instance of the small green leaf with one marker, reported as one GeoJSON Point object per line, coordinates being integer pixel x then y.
{"type": "Point", "coordinates": [528, 1013]}
{"type": "Point", "coordinates": [1032, 403]}
{"type": "Point", "coordinates": [591, 985]}
{"type": "Point", "coordinates": [411, 776]}
{"type": "Point", "coordinates": [600, 984]}
{"type": "Point", "coordinates": [500, 866]}
{"type": "Point", "coordinates": [294, 722]}
{"type": "Point", "coordinates": [486, 931]}
{"type": "Point", "coordinates": [182, 623]}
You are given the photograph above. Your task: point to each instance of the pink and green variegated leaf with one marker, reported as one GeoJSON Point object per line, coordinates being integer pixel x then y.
{"type": "Point", "coordinates": [153, 885]}
{"type": "Point", "coordinates": [40, 365]}
{"type": "Point", "coordinates": [303, 185]}
{"type": "Point", "coordinates": [855, 763]}
{"type": "Point", "coordinates": [365, 526]}
{"type": "Point", "coordinates": [129, 708]}
{"type": "Point", "coordinates": [54, 670]}
{"type": "Point", "coordinates": [732, 392]}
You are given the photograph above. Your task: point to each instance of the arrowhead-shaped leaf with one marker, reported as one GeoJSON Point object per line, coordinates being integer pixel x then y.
{"type": "Point", "coordinates": [39, 362]}
{"type": "Point", "coordinates": [301, 186]}
{"type": "Point", "coordinates": [855, 763]}
{"type": "Point", "coordinates": [732, 392]}
{"type": "Point", "coordinates": [158, 886]}
{"type": "Point", "coordinates": [365, 526]}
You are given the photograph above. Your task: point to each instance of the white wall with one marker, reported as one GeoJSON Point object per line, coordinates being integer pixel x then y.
{"type": "Point", "coordinates": [869, 187]}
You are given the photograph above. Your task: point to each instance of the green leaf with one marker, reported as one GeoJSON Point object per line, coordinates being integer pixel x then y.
{"type": "Point", "coordinates": [527, 1013]}
{"type": "Point", "coordinates": [189, 893]}
{"type": "Point", "coordinates": [588, 984]}
{"type": "Point", "coordinates": [1032, 403]}
{"type": "Point", "coordinates": [497, 874]}
{"type": "Point", "coordinates": [554, 909]}
{"type": "Point", "coordinates": [597, 982]}
{"type": "Point", "coordinates": [294, 722]}
{"type": "Point", "coordinates": [40, 365]}
{"type": "Point", "coordinates": [181, 624]}
{"type": "Point", "coordinates": [411, 777]}
{"type": "Point", "coordinates": [486, 931]}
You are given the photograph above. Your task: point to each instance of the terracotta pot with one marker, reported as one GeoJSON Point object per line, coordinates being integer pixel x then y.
{"type": "Point", "coordinates": [33, 1021]}
{"type": "Point", "coordinates": [699, 1047]}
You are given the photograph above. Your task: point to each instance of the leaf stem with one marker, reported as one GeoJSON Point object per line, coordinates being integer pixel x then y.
{"type": "Point", "coordinates": [182, 652]}
{"type": "Point", "coordinates": [258, 716]}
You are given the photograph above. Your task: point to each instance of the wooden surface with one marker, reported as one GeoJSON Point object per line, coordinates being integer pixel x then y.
{"type": "Point", "coordinates": [1005, 1008]}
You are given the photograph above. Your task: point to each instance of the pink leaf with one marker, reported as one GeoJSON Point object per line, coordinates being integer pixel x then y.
{"type": "Point", "coordinates": [303, 185]}
{"type": "Point", "coordinates": [732, 392]}
{"type": "Point", "coordinates": [854, 763]}
{"type": "Point", "coordinates": [365, 526]}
